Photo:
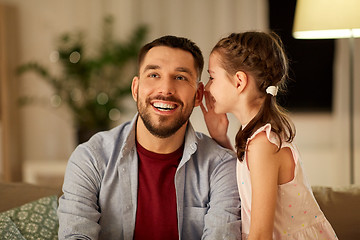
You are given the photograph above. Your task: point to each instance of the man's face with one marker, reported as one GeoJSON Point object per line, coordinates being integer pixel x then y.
{"type": "Point", "coordinates": [166, 90]}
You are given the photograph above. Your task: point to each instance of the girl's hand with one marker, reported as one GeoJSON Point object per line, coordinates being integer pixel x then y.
{"type": "Point", "coordinates": [217, 124]}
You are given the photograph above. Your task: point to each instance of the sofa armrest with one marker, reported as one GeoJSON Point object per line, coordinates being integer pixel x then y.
{"type": "Point", "coordinates": [341, 207]}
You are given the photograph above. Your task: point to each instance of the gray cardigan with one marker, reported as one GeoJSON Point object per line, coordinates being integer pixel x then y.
{"type": "Point", "coordinates": [100, 188]}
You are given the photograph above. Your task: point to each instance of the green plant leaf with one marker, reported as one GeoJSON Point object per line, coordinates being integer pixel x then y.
{"type": "Point", "coordinates": [85, 74]}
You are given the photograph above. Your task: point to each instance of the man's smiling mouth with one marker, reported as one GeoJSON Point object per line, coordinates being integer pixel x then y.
{"type": "Point", "coordinates": [164, 106]}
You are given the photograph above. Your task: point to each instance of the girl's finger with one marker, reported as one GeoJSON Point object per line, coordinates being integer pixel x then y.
{"type": "Point", "coordinates": [203, 109]}
{"type": "Point", "coordinates": [207, 100]}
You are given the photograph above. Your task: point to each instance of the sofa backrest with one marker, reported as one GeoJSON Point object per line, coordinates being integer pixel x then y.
{"type": "Point", "coordinates": [16, 194]}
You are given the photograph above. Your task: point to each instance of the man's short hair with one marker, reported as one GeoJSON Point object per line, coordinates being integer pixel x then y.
{"type": "Point", "coordinates": [175, 42]}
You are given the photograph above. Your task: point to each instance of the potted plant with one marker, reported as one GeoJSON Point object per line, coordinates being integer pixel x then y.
{"type": "Point", "coordinates": [92, 87]}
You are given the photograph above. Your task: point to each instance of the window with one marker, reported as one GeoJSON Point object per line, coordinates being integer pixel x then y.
{"type": "Point", "coordinates": [311, 63]}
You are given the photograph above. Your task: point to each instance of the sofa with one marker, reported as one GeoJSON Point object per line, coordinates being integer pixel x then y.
{"type": "Point", "coordinates": [28, 211]}
{"type": "Point", "coordinates": [340, 205]}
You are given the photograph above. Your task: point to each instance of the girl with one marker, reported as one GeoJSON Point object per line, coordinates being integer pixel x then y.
{"type": "Point", "coordinates": [246, 71]}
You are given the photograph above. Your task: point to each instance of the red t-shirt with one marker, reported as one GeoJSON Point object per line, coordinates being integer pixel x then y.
{"type": "Point", "coordinates": [156, 215]}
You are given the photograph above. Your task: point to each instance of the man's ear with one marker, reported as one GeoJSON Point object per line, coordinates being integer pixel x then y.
{"type": "Point", "coordinates": [241, 80]}
{"type": "Point", "coordinates": [135, 87]}
{"type": "Point", "coordinates": [199, 94]}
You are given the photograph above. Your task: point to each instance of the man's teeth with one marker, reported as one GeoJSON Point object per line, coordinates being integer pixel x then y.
{"type": "Point", "coordinates": [164, 106]}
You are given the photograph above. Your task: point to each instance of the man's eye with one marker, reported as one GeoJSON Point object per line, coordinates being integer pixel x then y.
{"type": "Point", "coordinates": [153, 75]}
{"type": "Point", "coordinates": [181, 78]}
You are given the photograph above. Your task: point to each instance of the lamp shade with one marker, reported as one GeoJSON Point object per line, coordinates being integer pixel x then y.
{"type": "Point", "coordinates": [317, 19]}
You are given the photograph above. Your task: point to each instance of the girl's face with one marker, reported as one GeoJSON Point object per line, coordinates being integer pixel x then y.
{"type": "Point", "coordinates": [221, 86]}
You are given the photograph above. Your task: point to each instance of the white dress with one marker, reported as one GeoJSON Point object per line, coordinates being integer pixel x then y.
{"type": "Point", "coordinates": [297, 214]}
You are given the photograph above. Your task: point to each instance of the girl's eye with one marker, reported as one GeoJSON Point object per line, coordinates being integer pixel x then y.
{"type": "Point", "coordinates": [211, 78]}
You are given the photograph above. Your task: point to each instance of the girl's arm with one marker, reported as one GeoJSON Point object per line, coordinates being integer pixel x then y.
{"type": "Point", "coordinates": [217, 124]}
{"type": "Point", "coordinates": [264, 167]}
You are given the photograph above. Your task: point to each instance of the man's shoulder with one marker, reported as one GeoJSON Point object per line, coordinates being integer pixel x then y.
{"type": "Point", "coordinates": [209, 146]}
{"type": "Point", "coordinates": [204, 139]}
{"type": "Point", "coordinates": [110, 137]}
{"type": "Point", "coordinates": [106, 142]}
{"type": "Point", "coordinates": [104, 148]}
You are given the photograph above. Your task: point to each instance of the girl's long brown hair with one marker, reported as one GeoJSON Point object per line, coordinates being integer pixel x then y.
{"type": "Point", "coordinates": [262, 55]}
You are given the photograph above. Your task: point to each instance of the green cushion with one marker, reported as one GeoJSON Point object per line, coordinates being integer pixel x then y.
{"type": "Point", "coordinates": [8, 229]}
{"type": "Point", "coordinates": [34, 220]}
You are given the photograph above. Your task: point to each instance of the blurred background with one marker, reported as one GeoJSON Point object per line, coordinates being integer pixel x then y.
{"type": "Point", "coordinates": [46, 43]}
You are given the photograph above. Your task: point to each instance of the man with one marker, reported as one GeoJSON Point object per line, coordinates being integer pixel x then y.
{"type": "Point", "coordinates": [154, 177]}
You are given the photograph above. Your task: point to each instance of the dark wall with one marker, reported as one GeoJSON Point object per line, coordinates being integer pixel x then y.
{"type": "Point", "coordinates": [311, 63]}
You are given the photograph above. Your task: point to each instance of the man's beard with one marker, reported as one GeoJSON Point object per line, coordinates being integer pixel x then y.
{"type": "Point", "coordinates": [163, 130]}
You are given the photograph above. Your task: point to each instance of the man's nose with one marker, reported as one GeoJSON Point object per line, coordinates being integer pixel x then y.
{"type": "Point", "coordinates": [167, 86]}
